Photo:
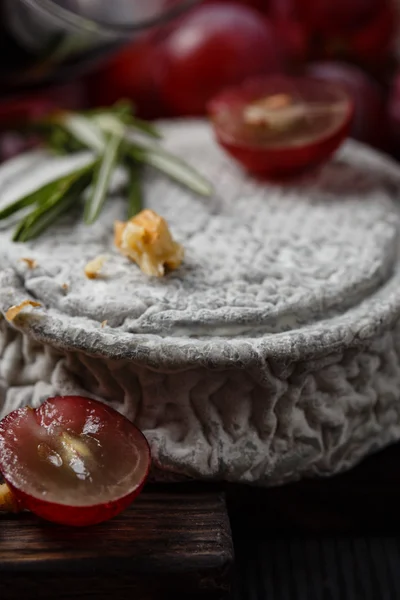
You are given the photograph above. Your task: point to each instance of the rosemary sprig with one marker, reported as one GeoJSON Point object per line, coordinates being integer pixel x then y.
{"type": "Point", "coordinates": [135, 201]}
{"type": "Point", "coordinates": [145, 127]}
{"type": "Point", "coordinates": [115, 137]}
{"type": "Point", "coordinates": [102, 177]}
{"type": "Point", "coordinates": [84, 130]}
{"type": "Point", "coordinates": [124, 112]}
{"type": "Point", "coordinates": [43, 217]}
{"type": "Point", "coordinates": [18, 205]}
{"type": "Point", "coordinates": [172, 166]}
{"type": "Point", "coordinates": [50, 200]}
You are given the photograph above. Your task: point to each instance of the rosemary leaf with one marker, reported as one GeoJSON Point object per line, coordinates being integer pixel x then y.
{"type": "Point", "coordinates": [145, 127]}
{"type": "Point", "coordinates": [171, 165]}
{"type": "Point", "coordinates": [123, 109]}
{"type": "Point", "coordinates": [43, 220]}
{"type": "Point", "coordinates": [135, 201]}
{"type": "Point", "coordinates": [18, 205]}
{"type": "Point", "coordinates": [109, 124]}
{"type": "Point", "coordinates": [102, 176]}
{"type": "Point", "coordinates": [63, 198]}
{"type": "Point", "coordinates": [42, 194]}
{"type": "Point", "coordinates": [116, 137]}
{"type": "Point", "coordinates": [50, 196]}
{"type": "Point", "coordinates": [83, 130]}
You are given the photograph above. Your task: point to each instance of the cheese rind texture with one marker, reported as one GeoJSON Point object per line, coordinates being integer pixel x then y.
{"type": "Point", "coordinates": [271, 354]}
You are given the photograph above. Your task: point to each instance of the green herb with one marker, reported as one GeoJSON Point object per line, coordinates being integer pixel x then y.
{"type": "Point", "coordinates": [49, 200]}
{"type": "Point", "coordinates": [18, 205]}
{"type": "Point", "coordinates": [146, 128]}
{"type": "Point", "coordinates": [135, 201]}
{"type": "Point", "coordinates": [84, 130]}
{"type": "Point", "coordinates": [174, 167]}
{"type": "Point", "coordinates": [116, 137]}
{"type": "Point", "coordinates": [43, 217]}
{"type": "Point", "coordinates": [102, 179]}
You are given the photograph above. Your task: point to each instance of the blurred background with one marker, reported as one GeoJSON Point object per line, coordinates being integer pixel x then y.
{"type": "Point", "coordinates": [171, 56]}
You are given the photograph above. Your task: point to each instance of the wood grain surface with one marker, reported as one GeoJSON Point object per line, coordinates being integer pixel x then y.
{"type": "Point", "coordinates": [166, 545]}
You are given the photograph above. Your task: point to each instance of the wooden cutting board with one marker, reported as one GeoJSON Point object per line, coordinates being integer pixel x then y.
{"type": "Point", "coordinates": [167, 545]}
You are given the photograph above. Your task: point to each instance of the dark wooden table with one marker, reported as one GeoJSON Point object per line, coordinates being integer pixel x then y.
{"type": "Point", "coordinates": [175, 541]}
{"type": "Point", "coordinates": [166, 545]}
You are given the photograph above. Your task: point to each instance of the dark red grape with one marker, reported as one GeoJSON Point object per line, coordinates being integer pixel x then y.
{"type": "Point", "coordinates": [393, 110]}
{"type": "Point", "coordinates": [337, 16]}
{"type": "Point", "coordinates": [260, 5]}
{"type": "Point", "coordinates": [215, 46]}
{"type": "Point", "coordinates": [362, 31]}
{"type": "Point", "coordinates": [132, 74]}
{"type": "Point", "coordinates": [369, 123]}
{"type": "Point", "coordinates": [291, 31]}
{"type": "Point", "coordinates": [374, 42]}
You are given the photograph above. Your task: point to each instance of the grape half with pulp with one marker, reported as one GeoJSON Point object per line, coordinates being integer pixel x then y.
{"type": "Point", "coordinates": [73, 460]}
{"type": "Point", "coordinates": [281, 126]}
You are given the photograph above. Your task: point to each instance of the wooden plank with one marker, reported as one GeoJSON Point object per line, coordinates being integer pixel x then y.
{"type": "Point", "coordinates": [165, 545]}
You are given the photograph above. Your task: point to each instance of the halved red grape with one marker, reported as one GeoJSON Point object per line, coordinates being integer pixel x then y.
{"type": "Point", "coordinates": [281, 126]}
{"type": "Point", "coordinates": [215, 46]}
{"type": "Point", "coordinates": [73, 460]}
{"type": "Point", "coordinates": [368, 124]}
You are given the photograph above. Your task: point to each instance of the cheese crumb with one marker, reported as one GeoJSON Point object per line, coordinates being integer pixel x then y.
{"type": "Point", "coordinates": [146, 240]}
{"type": "Point", "coordinates": [8, 502]}
{"type": "Point", "coordinates": [104, 323]}
{"type": "Point", "coordinates": [93, 268]}
{"type": "Point", "coordinates": [15, 310]}
{"type": "Point", "coordinates": [31, 262]}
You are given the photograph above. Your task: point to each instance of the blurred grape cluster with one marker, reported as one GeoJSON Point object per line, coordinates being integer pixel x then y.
{"type": "Point", "coordinates": [175, 70]}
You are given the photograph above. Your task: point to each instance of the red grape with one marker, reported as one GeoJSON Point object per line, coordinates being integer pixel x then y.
{"type": "Point", "coordinates": [281, 126]}
{"type": "Point", "coordinates": [369, 118]}
{"type": "Point", "coordinates": [260, 5]}
{"type": "Point", "coordinates": [370, 45]}
{"type": "Point", "coordinates": [132, 74]}
{"type": "Point", "coordinates": [337, 16]}
{"type": "Point", "coordinates": [291, 31]}
{"type": "Point", "coordinates": [23, 108]}
{"type": "Point", "coordinates": [358, 30]}
{"type": "Point", "coordinates": [394, 114]}
{"type": "Point", "coordinates": [374, 42]}
{"type": "Point", "coordinates": [73, 460]}
{"type": "Point", "coordinates": [215, 46]}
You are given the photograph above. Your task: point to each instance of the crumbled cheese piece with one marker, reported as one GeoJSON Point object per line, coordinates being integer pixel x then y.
{"type": "Point", "coordinates": [15, 310]}
{"type": "Point", "coordinates": [104, 323]}
{"type": "Point", "coordinates": [8, 502]}
{"type": "Point", "coordinates": [31, 262]}
{"type": "Point", "coordinates": [147, 241]}
{"type": "Point", "coordinates": [93, 268]}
